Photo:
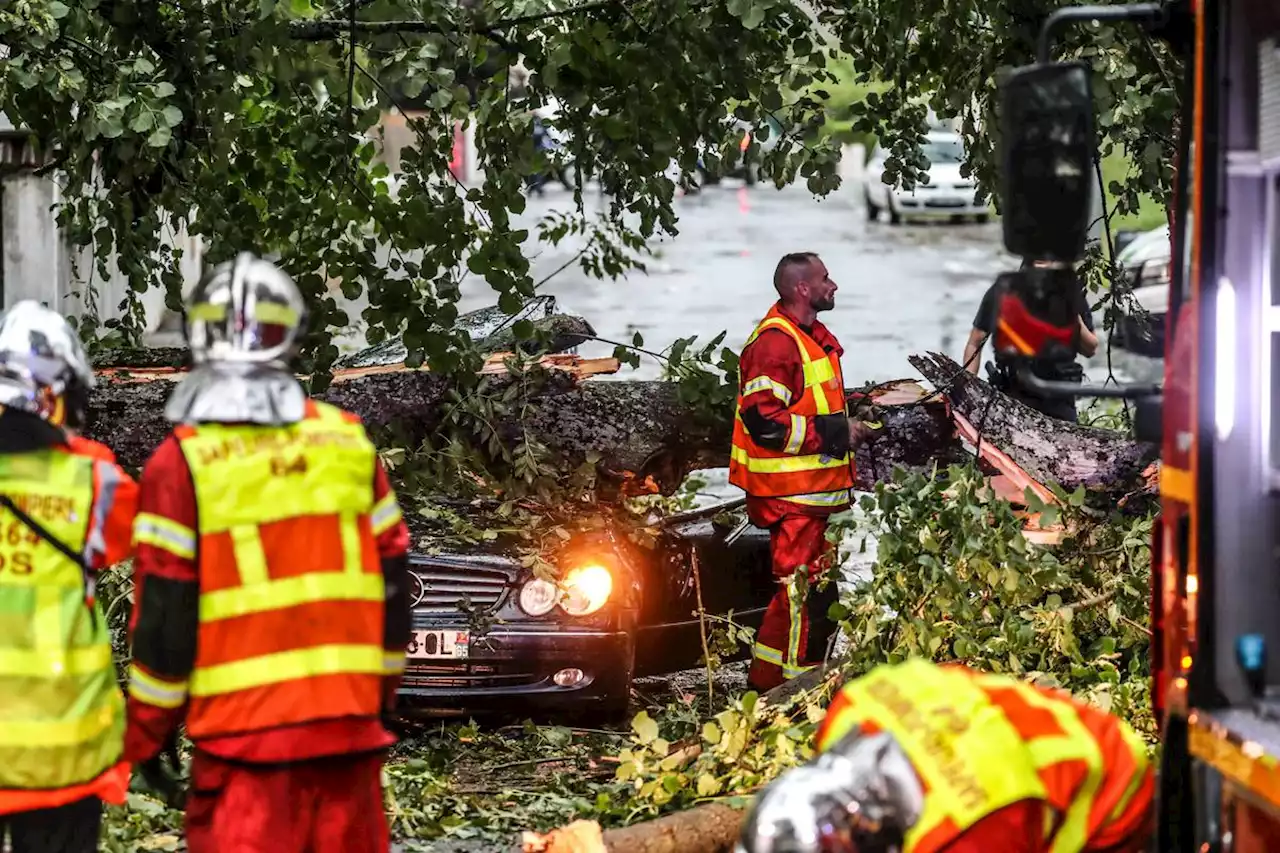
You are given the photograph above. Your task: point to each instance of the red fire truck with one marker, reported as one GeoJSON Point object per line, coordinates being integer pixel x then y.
{"type": "Point", "coordinates": [1216, 568]}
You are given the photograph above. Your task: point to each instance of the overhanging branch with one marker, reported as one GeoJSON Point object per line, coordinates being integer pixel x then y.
{"type": "Point", "coordinates": [327, 29]}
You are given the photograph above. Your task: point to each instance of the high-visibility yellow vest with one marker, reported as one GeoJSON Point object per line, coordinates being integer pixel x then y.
{"type": "Point", "coordinates": [980, 742]}
{"type": "Point", "coordinates": [811, 479]}
{"type": "Point", "coordinates": [951, 731]}
{"type": "Point", "coordinates": [61, 710]}
{"type": "Point", "coordinates": [292, 595]}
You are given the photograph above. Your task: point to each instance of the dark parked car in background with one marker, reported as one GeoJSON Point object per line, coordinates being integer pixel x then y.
{"type": "Point", "coordinates": [489, 636]}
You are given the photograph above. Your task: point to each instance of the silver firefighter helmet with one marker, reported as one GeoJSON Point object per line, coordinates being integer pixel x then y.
{"type": "Point", "coordinates": [245, 311]}
{"type": "Point", "coordinates": [861, 796]}
{"type": "Point", "coordinates": [44, 369]}
{"type": "Point", "coordinates": [243, 320]}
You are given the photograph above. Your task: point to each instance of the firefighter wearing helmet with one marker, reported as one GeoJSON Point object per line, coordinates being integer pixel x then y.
{"type": "Point", "coordinates": [922, 758]}
{"type": "Point", "coordinates": [66, 512]}
{"type": "Point", "coordinates": [272, 606]}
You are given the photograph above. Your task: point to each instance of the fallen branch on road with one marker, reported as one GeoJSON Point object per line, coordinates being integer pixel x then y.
{"type": "Point", "coordinates": [710, 828]}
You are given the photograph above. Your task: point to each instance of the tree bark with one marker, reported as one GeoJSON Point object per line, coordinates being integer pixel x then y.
{"type": "Point", "coordinates": [709, 828]}
{"type": "Point", "coordinates": [1050, 450]}
{"type": "Point", "coordinates": [639, 429]}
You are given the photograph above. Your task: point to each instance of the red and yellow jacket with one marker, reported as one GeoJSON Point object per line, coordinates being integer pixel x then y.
{"type": "Point", "coordinates": [791, 436]}
{"type": "Point", "coordinates": [272, 607]}
{"type": "Point", "coordinates": [1005, 765]}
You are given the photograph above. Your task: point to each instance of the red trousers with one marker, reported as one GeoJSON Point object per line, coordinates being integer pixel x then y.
{"type": "Point", "coordinates": [328, 805]}
{"type": "Point", "coordinates": [794, 633]}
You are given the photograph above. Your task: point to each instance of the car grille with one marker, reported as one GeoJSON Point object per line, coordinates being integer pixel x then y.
{"type": "Point", "coordinates": [462, 679]}
{"type": "Point", "coordinates": [437, 589]}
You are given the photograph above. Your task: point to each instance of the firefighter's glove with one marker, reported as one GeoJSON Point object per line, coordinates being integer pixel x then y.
{"type": "Point", "coordinates": [163, 775]}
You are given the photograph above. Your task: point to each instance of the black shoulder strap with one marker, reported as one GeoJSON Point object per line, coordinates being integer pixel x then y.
{"type": "Point", "coordinates": [86, 571]}
{"type": "Point", "coordinates": [40, 530]}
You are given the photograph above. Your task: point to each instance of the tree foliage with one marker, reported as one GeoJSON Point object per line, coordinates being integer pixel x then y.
{"type": "Point", "coordinates": [251, 122]}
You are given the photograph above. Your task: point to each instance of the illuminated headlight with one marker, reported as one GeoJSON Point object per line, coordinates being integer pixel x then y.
{"type": "Point", "coordinates": [586, 589]}
{"type": "Point", "coordinates": [537, 597]}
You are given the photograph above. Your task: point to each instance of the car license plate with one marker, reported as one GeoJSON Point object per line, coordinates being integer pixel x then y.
{"type": "Point", "coordinates": [439, 645]}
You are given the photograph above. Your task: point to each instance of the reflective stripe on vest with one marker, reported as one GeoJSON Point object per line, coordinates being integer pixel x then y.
{"type": "Point", "coordinates": [811, 479]}
{"type": "Point", "coordinates": [949, 728]}
{"type": "Point", "coordinates": [1075, 744]}
{"type": "Point", "coordinates": [291, 587]}
{"type": "Point", "coordinates": [62, 716]}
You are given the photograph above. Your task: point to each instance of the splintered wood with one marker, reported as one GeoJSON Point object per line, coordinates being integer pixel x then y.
{"type": "Point", "coordinates": [494, 365]}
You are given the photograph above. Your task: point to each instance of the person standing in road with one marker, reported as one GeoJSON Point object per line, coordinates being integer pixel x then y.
{"type": "Point", "coordinates": [930, 758]}
{"type": "Point", "coordinates": [272, 607]}
{"type": "Point", "coordinates": [791, 454]}
{"type": "Point", "coordinates": [984, 324]}
{"type": "Point", "coordinates": [66, 512]}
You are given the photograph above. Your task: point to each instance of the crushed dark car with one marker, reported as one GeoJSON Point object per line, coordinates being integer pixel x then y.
{"type": "Point", "coordinates": [490, 636]}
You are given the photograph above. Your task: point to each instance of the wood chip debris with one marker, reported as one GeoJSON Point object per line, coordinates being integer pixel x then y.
{"type": "Point", "coordinates": [494, 365]}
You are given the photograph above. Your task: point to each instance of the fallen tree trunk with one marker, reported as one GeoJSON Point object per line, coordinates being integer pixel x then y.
{"type": "Point", "coordinates": [1050, 450]}
{"type": "Point", "coordinates": [638, 430]}
{"type": "Point", "coordinates": [710, 828]}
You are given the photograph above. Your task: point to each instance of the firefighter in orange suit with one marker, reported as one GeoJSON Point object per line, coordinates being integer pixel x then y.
{"type": "Point", "coordinates": [272, 607]}
{"type": "Point", "coordinates": [922, 758]}
{"type": "Point", "coordinates": [792, 446]}
{"type": "Point", "coordinates": [66, 511]}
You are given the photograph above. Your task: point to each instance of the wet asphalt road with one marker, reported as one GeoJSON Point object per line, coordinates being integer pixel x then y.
{"type": "Point", "coordinates": [902, 289]}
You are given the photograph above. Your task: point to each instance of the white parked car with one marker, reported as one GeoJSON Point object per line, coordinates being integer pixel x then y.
{"type": "Point", "coordinates": [1145, 262]}
{"type": "Point", "coordinates": [945, 194]}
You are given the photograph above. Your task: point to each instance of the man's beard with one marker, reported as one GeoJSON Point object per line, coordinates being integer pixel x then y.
{"type": "Point", "coordinates": [825, 304]}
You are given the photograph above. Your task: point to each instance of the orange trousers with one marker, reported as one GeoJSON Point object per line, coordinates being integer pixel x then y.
{"type": "Point", "coordinates": [794, 633]}
{"type": "Point", "coordinates": [327, 805]}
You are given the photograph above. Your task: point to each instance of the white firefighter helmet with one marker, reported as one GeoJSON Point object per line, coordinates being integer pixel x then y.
{"type": "Point", "coordinates": [44, 369]}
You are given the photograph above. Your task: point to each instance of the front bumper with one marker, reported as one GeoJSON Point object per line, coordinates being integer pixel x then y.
{"type": "Point", "coordinates": [511, 669]}
{"type": "Point", "coordinates": [939, 202]}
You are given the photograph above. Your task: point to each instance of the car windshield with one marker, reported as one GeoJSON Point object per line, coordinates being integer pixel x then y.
{"type": "Point", "coordinates": [943, 150]}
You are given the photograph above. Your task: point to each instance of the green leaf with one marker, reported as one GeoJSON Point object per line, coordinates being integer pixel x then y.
{"type": "Point", "coordinates": [645, 728]}
{"type": "Point", "coordinates": [172, 116]}
{"type": "Point", "coordinates": [142, 121]}
{"type": "Point", "coordinates": [440, 99]}
{"type": "Point", "coordinates": [160, 137]}
{"type": "Point", "coordinates": [58, 10]}
{"type": "Point", "coordinates": [711, 733]}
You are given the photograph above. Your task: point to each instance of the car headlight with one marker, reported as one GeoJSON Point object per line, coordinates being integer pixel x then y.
{"type": "Point", "coordinates": [537, 597]}
{"type": "Point", "coordinates": [586, 589]}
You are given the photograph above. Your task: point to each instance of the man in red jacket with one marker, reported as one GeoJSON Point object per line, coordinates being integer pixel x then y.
{"type": "Point", "coordinates": [272, 606]}
{"type": "Point", "coordinates": [792, 454]}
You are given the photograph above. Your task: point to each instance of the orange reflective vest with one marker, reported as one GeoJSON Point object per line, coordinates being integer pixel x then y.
{"type": "Point", "coordinates": [952, 722]}
{"type": "Point", "coordinates": [811, 479]}
{"type": "Point", "coordinates": [291, 589]}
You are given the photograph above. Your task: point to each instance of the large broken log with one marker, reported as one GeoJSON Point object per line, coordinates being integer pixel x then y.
{"type": "Point", "coordinates": [710, 828]}
{"type": "Point", "coordinates": [1050, 450]}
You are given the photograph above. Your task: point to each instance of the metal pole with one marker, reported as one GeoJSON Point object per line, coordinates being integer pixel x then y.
{"type": "Point", "coordinates": [1134, 12]}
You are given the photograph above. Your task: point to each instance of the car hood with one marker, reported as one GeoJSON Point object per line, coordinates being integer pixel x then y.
{"type": "Point", "coordinates": [945, 173]}
{"type": "Point", "coordinates": [1152, 245]}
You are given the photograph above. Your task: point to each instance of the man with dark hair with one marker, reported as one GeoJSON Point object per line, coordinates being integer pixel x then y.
{"type": "Point", "coordinates": [984, 324]}
{"type": "Point", "coordinates": [792, 454]}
